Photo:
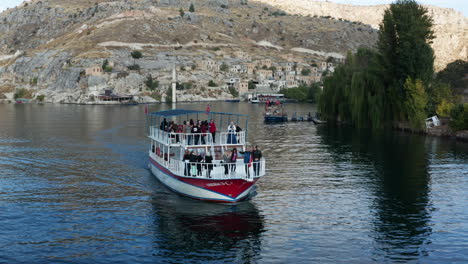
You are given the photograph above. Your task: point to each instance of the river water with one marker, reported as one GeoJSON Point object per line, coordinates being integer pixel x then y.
{"type": "Point", "coordinates": [75, 188]}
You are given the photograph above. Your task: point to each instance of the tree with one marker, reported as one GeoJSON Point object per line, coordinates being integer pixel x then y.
{"type": "Point", "coordinates": [136, 54]}
{"type": "Point", "coordinates": [181, 12]}
{"type": "Point", "coordinates": [404, 44]}
{"type": "Point", "coordinates": [224, 67]}
{"type": "Point", "coordinates": [192, 8]}
{"type": "Point", "coordinates": [211, 83]}
{"type": "Point", "coordinates": [415, 103]}
{"type": "Point", "coordinates": [150, 83]}
{"type": "Point", "coordinates": [305, 72]}
{"type": "Point", "coordinates": [252, 85]}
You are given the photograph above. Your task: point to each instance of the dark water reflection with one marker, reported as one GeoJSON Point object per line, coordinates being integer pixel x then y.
{"type": "Point", "coordinates": [74, 188]}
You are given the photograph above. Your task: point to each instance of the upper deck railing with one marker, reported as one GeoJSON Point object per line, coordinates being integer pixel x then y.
{"type": "Point", "coordinates": [197, 139]}
{"type": "Point", "coordinates": [218, 170]}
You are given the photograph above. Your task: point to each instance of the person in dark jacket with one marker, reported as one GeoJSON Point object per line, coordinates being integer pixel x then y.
{"type": "Point", "coordinates": [233, 160]}
{"type": "Point", "coordinates": [256, 157]}
{"type": "Point", "coordinates": [199, 163]}
{"type": "Point", "coordinates": [193, 160]}
{"type": "Point", "coordinates": [209, 164]}
{"type": "Point", "coordinates": [186, 159]}
{"type": "Point", "coordinates": [196, 131]}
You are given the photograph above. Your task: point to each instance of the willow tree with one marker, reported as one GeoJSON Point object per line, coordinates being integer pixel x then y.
{"type": "Point", "coordinates": [404, 45]}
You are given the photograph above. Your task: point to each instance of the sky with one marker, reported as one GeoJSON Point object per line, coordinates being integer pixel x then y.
{"type": "Point", "coordinates": [459, 5]}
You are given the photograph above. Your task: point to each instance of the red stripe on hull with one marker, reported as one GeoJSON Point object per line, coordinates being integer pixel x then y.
{"type": "Point", "coordinates": [232, 188]}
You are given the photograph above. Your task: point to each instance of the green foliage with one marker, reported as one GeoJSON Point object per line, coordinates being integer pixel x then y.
{"type": "Point", "coordinates": [181, 12]}
{"type": "Point", "coordinates": [40, 98]}
{"type": "Point", "coordinates": [105, 64]}
{"type": "Point", "coordinates": [443, 109]}
{"type": "Point", "coordinates": [303, 92]}
{"type": "Point", "coordinates": [136, 54]}
{"type": "Point", "coordinates": [278, 13]}
{"type": "Point", "coordinates": [33, 81]}
{"type": "Point", "coordinates": [156, 96]}
{"type": "Point", "coordinates": [354, 93]}
{"type": "Point", "coordinates": [379, 88]}
{"type": "Point", "coordinates": [454, 74]}
{"type": "Point", "coordinates": [224, 6]}
{"type": "Point", "coordinates": [233, 91]}
{"type": "Point", "coordinates": [182, 68]}
{"type": "Point", "coordinates": [169, 96]}
{"type": "Point", "coordinates": [438, 92]}
{"type": "Point", "coordinates": [305, 72]}
{"type": "Point", "coordinates": [252, 85]}
{"type": "Point", "coordinates": [191, 8]}
{"type": "Point", "coordinates": [404, 42]}
{"type": "Point", "coordinates": [23, 93]}
{"type": "Point", "coordinates": [134, 67]}
{"type": "Point", "coordinates": [415, 103]}
{"type": "Point", "coordinates": [211, 83]}
{"type": "Point", "coordinates": [264, 67]}
{"type": "Point", "coordinates": [459, 117]}
{"type": "Point", "coordinates": [193, 66]}
{"type": "Point", "coordinates": [272, 68]}
{"type": "Point", "coordinates": [150, 83]}
{"type": "Point", "coordinates": [224, 67]}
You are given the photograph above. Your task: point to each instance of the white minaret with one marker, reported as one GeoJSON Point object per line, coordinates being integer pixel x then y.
{"type": "Point", "coordinates": [174, 81]}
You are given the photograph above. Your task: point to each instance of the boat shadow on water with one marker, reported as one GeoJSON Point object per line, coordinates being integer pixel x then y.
{"type": "Point", "coordinates": [192, 231]}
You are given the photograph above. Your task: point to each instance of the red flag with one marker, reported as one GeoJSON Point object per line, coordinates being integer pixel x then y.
{"type": "Point", "coordinates": [208, 108]}
{"type": "Point", "coordinates": [146, 109]}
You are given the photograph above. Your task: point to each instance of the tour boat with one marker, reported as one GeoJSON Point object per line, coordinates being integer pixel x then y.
{"type": "Point", "coordinates": [275, 113]}
{"type": "Point", "coordinates": [222, 180]}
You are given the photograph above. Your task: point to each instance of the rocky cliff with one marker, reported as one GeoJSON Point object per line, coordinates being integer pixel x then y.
{"type": "Point", "coordinates": [52, 47]}
{"type": "Point", "coordinates": [450, 26]}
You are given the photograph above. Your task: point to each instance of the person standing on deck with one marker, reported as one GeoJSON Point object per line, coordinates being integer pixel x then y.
{"type": "Point", "coordinates": [257, 156]}
{"type": "Point", "coordinates": [188, 130]}
{"type": "Point", "coordinates": [186, 160]}
{"type": "Point", "coordinates": [231, 139]}
{"type": "Point", "coordinates": [199, 162]}
{"type": "Point", "coordinates": [193, 160]}
{"type": "Point", "coordinates": [248, 156]}
{"type": "Point", "coordinates": [226, 160]}
{"type": "Point", "coordinates": [203, 130]}
{"type": "Point", "coordinates": [163, 125]}
{"type": "Point", "coordinates": [212, 129]}
{"type": "Point", "coordinates": [196, 131]}
{"type": "Point", "coordinates": [233, 160]}
{"type": "Point", "coordinates": [209, 164]}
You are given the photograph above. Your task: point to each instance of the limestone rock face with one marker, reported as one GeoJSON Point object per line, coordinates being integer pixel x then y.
{"type": "Point", "coordinates": [450, 26]}
{"type": "Point", "coordinates": [58, 47]}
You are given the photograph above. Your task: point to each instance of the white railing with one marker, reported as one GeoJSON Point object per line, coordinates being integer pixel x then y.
{"type": "Point", "coordinates": [217, 170]}
{"type": "Point", "coordinates": [196, 139]}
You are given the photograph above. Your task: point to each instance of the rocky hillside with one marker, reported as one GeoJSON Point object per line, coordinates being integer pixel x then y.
{"type": "Point", "coordinates": [48, 45]}
{"type": "Point", "coordinates": [450, 26]}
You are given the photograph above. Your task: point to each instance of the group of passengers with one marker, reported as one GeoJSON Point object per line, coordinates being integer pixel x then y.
{"type": "Point", "coordinates": [200, 129]}
{"type": "Point", "coordinates": [195, 163]}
